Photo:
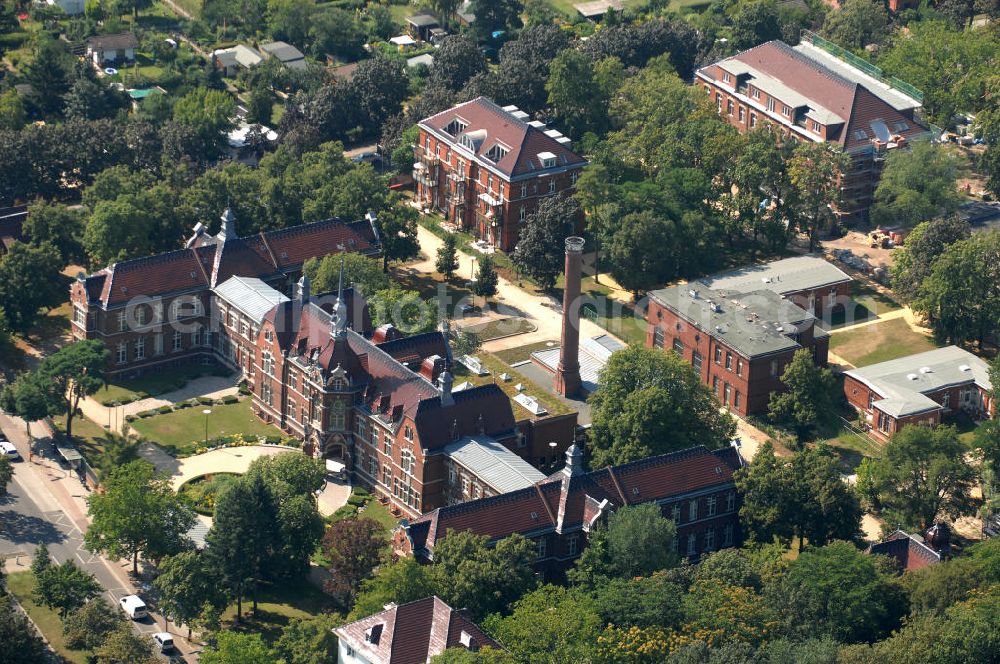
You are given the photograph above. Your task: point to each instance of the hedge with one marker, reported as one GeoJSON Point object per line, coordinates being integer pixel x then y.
{"type": "Point", "coordinates": [206, 401]}
{"type": "Point", "coordinates": [230, 399]}
{"type": "Point", "coordinates": [163, 410]}
{"type": "Point", "coordinates": [146, 413]}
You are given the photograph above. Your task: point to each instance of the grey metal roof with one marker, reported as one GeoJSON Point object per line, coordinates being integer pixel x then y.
{"type": "Point", "coordinates": [493, 463]}
{"type": "Point", "coordinates": [422, 20]}
{"type": "Point", "coordinates": [283, 51]}
{"type": "Point", "coordinates": [754, 323]}
{"type": "Point", "coordinates": [895, 98]}
{"type": "Point", "coordinates": [425, 59]}
{"type": "Point", "coordinates": [250, 295]}
{"type": "Point", "coordinates": [903, 383]}
{"type": "Point", "coordinates": [784, 276]}
{"type": "Point", "coordinates": [593, 357]}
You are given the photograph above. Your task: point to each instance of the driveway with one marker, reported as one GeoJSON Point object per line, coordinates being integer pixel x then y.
{"type": "Point", "coordinates": [238, 459]}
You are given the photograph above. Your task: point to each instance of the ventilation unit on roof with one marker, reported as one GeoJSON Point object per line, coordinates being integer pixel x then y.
{"type": "Point", "coordinates": [564, 140]}
{"type": "Point", "coordinates": [926, 370]}
{"type": "Point", "coordinates": [537, 124]}
{"type": "Point", "coordinates": [511, 108]}
{"type": "Point", "coordinates": [520, 115]}
{"type": "Point", "coordinates": [693, 293]}
{"type": "Point", "coordinates": [964, 367]}
{"type": "Point", "coordinates": [912, 376]}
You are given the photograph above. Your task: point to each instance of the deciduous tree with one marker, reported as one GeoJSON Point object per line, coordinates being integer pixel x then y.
{"type": "Point", "coordinates": [57, 225]}
{"type": "Point", "coordinates": [485, 285]}
{"type": "Point", "coordinates": [21, 642]}
{"type": "Point", "coordinates": [398, 230]}
{"type": "Point", "coordinates": [74, 372]}
{"type": "Point", "coordinates": [539, 252]}
{"type": "Point", "coordinates": [29, 281]}
{"type": "Point", "coordinates": [186, 583]}
{"type": "Point", "coordinates": [361, 272]}
{"type": "Point", "coordinates": [308, 640]}
{"type": "Point", "coordinates": [857, 23]}
{"type": "Point", "coordinates": [924, 244]}
{"type": "Point", "coordinates": [6, 474]}
{"type": "Point", "coordinates": [917, 184]}
{"type": "Point", "coordinates": [447, 257]}
{"type": "Point", "coordinates": [457, 59]}
{"type": "Point", "coordinates": [636, 541]}
{"type": "Point", "coordinates": [126, 645]}
{"type": "Point", "coordinates": [354, 548]}
{"type": "Point", "coordinates": [810, 395]}
{"type": "Point", "coordinates": [815, 170]}
{"type": "Point", "coordinates": [650, 402]}
{"type": "Point", "coordinates": [64, 587]}
{"type": "Point", "coordinates": [549, 625]}
{"type": "Point", "coordinates": [401, 581]}
{"type": "Point", "coordinates": [88, 626]}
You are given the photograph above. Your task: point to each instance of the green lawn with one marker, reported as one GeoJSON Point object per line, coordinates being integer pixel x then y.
{"type": "Point", "coordinates": [872, 299]}
{"type": "Point", "coordinates": [153, 384]}
{"type": "Point", "coordinates": [379, 512]}
{"type": "Point", "coordinates": [185, 429]}
{"type": "Point", "coordinates": [879, 342]}
{"type": "Point", "coordinates": [20, 585]}
{"type": "Point", "coordinates": [522, 353]}
{"type": "Point", "coordinates": [503, 327]}
{"type": "Point", "coordinates": [277, 605]}
{"type": "Point", "coordinates": [88, 436]}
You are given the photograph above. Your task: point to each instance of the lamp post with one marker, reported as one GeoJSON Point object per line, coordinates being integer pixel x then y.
{"type": "Point", "coordinates": [206, 412]}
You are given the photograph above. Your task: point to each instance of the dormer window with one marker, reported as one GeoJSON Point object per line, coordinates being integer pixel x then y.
{"type": "Point", "coordinates": [860, 134]}
{"type": "Point", "coordinates": [726, 77]}
{"type": "Point", "coordinates": [496, 153]}
{"type": "Point", "coordinates": [546, 159]}
{"type": "Point", "coordinates": [456, 127]}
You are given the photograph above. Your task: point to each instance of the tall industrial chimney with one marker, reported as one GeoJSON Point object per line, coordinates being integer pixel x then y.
{"type": "Point", "coordinates": [567, 381]}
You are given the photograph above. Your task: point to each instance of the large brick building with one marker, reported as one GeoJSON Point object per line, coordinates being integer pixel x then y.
{"type": "Point", "coordinates": [810, 94]}
{"type": "Point", "coordinates": [156, 311]}
{"type": "Point", "coordinates": [740, 329]}
{"type": "Point", "coordinates": [919, 389]}
{"type": "Point", "coordinates": [693, 487]}
{"type": "Point", "coordinates": [486, 168]}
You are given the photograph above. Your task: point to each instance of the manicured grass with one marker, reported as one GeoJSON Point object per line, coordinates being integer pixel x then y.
{"type": "Point", "coordinates": [851, 447]}
{"type": "Point", "coordinates": [879, 342]}
{"type": "Point", "coordinates": [379, 512]}
{"type": "Point", "coordinates": [503, 327]}
{"type": "Point", "coordinates": [87, 435]}
{"type": "Point", "coordinates": [277, 605]}
{"type": "Point", "coordinates": [872, 299]}
{"type": "Point", "coordinates": [153, 384]}
{"type": "Point", "coordinates": [20, 585]}
{"type": "Point", "coordinates": [185, 429]}
{"type": "Point", "coordinates": [522, 353]}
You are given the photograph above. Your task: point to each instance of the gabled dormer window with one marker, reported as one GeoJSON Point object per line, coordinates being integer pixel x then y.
{"type": "Point", "coordinates": [496, 153]}
{"type": "Point", "coordinates": [546, 159]}
{"type": "Point", "coordinates": [456, 127]}
{"type": "Point", "coordinates": [467, 143]}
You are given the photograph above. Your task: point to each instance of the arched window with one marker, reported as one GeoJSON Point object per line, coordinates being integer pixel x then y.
{"type": "Point", "coordinates": [337, 416]}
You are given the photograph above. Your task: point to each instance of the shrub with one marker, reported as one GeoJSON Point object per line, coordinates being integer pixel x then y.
{"type": "Point", "coordinates": [358, 501]}
{"type": "Point", "coordinates": [206, 401]}
{"type": "Point", "coordinates": [244, 390]}
{"type": "Point", "coordinates": [360, 491]}
{"type": "Point", "coordinates": [130, 418]}
{"type": "Point", "coordinates": [163, 410]}
{"type": "Point", "coordinates": [230, 399]}
{"type": "Point", "coordinates": [182, 405]}
{"type": "Point", "coordinates": [146, 413]}
{"type": "Point", "coordinates": [272, 440]}
{"type": "Point", "coordinates": [345, 512]}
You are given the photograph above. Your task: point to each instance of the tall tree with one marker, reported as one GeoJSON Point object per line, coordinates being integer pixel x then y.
{"type": "Point", "coordinates": [485, 285]}
{"type": "Point", "coordinates": [642, 252]}
{"type": "Point", "coordinates": [50, 73]}
{"type": "Point", "coordinates": [30, 398]}
{"type": "Point", "coordinates": [12, 114]}
{"type": "Point", "coordinates": [447, 256]}
{"type": "Point", "coordinates": [400, 581]}
{"type": "Point", "coordinates": [857, 23]}
{"type": "Point", "coordinates": [755, 23]}
{"type": "Point", "coordinates": [186, 583]}
{"type": "Point", "coordinates": [924, 244]}
{"type": "Point", "coordinates": [917, 184]}
{"type": "Point", "coordinates": [354, 548]}
{"type": "Point", "coordinates": [241, 540]}
{"type": "Point", "coordinates": [137, 512]}
{"type": "Point", "coordinates": [308, 640]}
{"type": "Point", "coordinates": [815, 170]}
{"type": "Point", "coordinates": [22, 291]}
{"type": "Point", "coordinates": [494, 15]}
{"type": "Point", "coordinates": [539, 252]}
{"type": "Point", "coordinates": [810, 394]}
{"type": "Point", "coordinates": [209, 113]}
{"type": "Point", "coordinates": [126, 645]}
{"type": "Point", "coordinates": [74, 372]}
{"type": "Point", "coordinates": [635, 542]}
{"type": "Point", "coordinates": [650, 402]}
{"type": "Point", "coordinates": [458, 58]}
{"type": "Point", "coordinates": [580, 90]}
{"type": "Point", "coordinates": [20, 639]}
{"type": "Point", "coordinates": [923, 475]}
{"type": "Point", "coordinates": [88, 626]}
{"type": "Point", "coordinates": [961, 297]}
{"type": "Point", "coordinates": [234, 648]}
{"type": "Point", "coordinates": [64, 587]}
{"type": "Point", "coordinates": [380, 84]}
{"type": "Point", "coordinates": [6, 474]}
{"type": "Point", "coordinates": [57, 225]}
{"type": "Point", "coordinates": [360, 272]}
{"type": "Point", "coordinates": [802, 497]}
{"type": "Point", "coordinates": [398, 231]}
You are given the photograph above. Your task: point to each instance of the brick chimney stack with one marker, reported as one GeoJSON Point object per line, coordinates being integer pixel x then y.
{"type": "Point", "coordinates": [567, 381]}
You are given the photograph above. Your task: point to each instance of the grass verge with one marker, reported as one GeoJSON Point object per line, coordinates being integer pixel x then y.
{"type": "Point", "coordinates": [21, 585]}
{"type": "Point", "coordinates": [503, 327]}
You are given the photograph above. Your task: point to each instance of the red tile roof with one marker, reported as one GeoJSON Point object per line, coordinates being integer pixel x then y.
{"type": "Point", "coordinates": [536, 510]}
{"type": "Point", "coordinates": [412, 633]}
{"type": "Point", "coordinates": [209, 261]}
{"type": "Point", "coordinates": [523, 141]}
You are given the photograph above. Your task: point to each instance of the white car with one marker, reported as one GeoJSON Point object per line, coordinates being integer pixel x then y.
{"type": "Point", "coordinates": [134, 607]}
{"type": "Point", "coordinates": [8, 450]}
{"type": "Point", "coordinates": [164, 640]}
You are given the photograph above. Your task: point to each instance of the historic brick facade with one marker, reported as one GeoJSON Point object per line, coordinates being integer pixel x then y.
{"type": "Point", "coordinates": [486, 169]}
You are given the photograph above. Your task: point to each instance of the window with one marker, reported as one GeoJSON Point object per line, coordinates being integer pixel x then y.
{"type": "Point", "coordinates": [726, 77]}
{"type": "Point", "coordinates": [770, 104]}
{"type": "Point", "coordinates": [542, 546]}
{"type": "Point", "coordinates": [573, 177]}
{"type": "Point", "coordinates": [675, 513]}
{"type": "Point", "coordinates": [736, 399]}
{"type": "Point", "coordinates": [178, 340]}
{"type": "Point", "coordinates": [140, 348]}
{"type": "Point", "coordinates": [572, 545]}
{"type": "Point", "coordinates": [496, 153]}
{"type": "Point", "coordinates": [361, 428]}
{"type": "Point", "coordinates": [197, 337]}
{"type": "Point", "coordinates": [729, 361]}
{"type": "Point", "coordinates": [860, 134]}
{"type": "Point", "coordinates": [725, 394]}
{"type": "Point", "coordinates": [739, 367]}
{"type": "Point", "coordinates": [337, 417]}
{"type": "Point", "coordinates": [552, 186]}
{"type": "Point", "coordinates": [753, 120]}
{"type": "Point", "coordinates": [718, 355]}
{"type": "Point", "coordinates": [231, 320]}
{"type": "Point", "coordinates": [729, 107]}
{"type": "Point", "coordinates": [465, 486]}
{"type": "Point", "coordinates": [290, 407]}
{"type": "Point", "coordinates": [711, 502]}
{"type": "Point", "coordinates": [715, 385]}
{"type": "Point", "coordinates": [945, 400]}
{"type": "Point", "coordinates": [121, 321]}
{"type": "Point", "coordinates": [522, 214]}
{"type": "Point", "coordinates": [786, 111]}
{"type": "Point", "coordinates": [710, 539]}
{"type": "Point", "coordinates": [293, 380]}
{"type": "Point", "coordinates": [693, 510]}
{"type": "Point", "coordinates": [386, 475]}
{"type": "Point", "coordinates": [718, 102]}
{"type": "Point", "coordinates": [373, 466]}
{"type": "Point", "coordinates": [122, 353]}
{"type": "Point", "coordinates": [815, 126]}
{"type": "Point", "coordinates": [524, 190]}
{"type": "Point", "coordinates": [407, 461]}
{"type": "Point", "coordinates": [730, 501]}
{"type": "Point", "coordinates": [742, 114]}
{"type": "Point", "coordinates": [774, 368]}
{"type": "Point", "coordinates": [727, 535]}
{"type": "Point", "coordinates": [899, 125]}
{"type": "Point", "coordinates": [268, 335]}
{"type": "Point", "coordinates": [267, 362]}
{"type": "Point", "coordinates": [140, 316]}
{"type": "Point", "coordinates": [678, 347]}
{"type": "Point", "coordinates": [79, 317]}
{"type": "Point", "coordinates": [158, 344]}
{"type": "Point", "coordinates": [244, 329]}
{"type": "Point", "coordinates": [314, 412]}
{"type": "Point", "coordinates": [658, 338]}
{"type": "Point", "coordinates": [755, 92]}
{"type": "Point", "coordinates": [883, 422]}
{"type": "Point", "coordinates": [408, 433]}
{"type": "Point", "coordinates": [489, 181]}
{"type": "Point", "coordinates": [265, 392]}
{"type": "Point", "coordinates": [692, 544]}
{"type": "Point", "coordinates": [475, 492]}
{"type": "Point", "coordinates": [696, 361]}
{"type": "Point", "coordinates": [387, 443]}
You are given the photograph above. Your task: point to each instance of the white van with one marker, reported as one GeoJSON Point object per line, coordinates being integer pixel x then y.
{"type": "Point", "coordinates": [164, 641]}
{"type": "Point", "coordinates": [134, 607]}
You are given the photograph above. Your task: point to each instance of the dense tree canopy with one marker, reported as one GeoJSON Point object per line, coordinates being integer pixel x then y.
{"type": "Point", "coordinates": [927, 241]}
{"type": "Point", "coordinates": [540, 246]}
{"type": "Point", "coordinates": [917, 184]}
{"type": "Point", "coordinates": [809, 399]}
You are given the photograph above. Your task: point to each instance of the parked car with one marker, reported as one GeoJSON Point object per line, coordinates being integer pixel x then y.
{"type": "Point", "coordinates": [134, 607]}
{"type": "Point", "coordinates": [164, 640]}
{"type": "Point", "coordinates": [8, 450]}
